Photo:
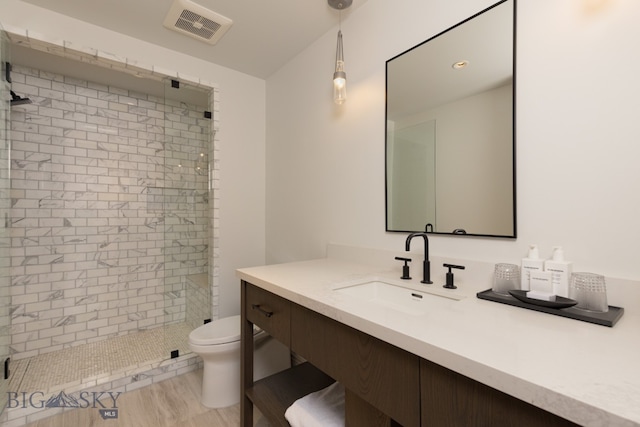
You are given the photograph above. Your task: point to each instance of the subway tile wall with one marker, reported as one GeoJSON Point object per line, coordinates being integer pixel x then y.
{"type": "Point", "coordinates": [109, 209]}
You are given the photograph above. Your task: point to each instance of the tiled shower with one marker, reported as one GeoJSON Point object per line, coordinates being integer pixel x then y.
{"type": "Point", "coordinates": [113, 227]}
{"type": "Point", "coordinates": [109, 211]}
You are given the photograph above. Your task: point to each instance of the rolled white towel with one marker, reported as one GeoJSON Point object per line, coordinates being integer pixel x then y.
{"type": "Point", "coordinates": [323, 408]}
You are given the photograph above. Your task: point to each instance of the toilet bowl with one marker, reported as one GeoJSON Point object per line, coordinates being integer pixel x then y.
{"type": "Point", "coordinates": [218, 344]}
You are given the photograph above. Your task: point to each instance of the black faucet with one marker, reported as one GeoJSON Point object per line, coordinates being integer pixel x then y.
{"type": "Point", "coordinates": [426, 272]}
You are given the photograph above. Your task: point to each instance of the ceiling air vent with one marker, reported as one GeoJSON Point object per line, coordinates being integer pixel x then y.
{"type": "Point", "coordinates": [195, 21]}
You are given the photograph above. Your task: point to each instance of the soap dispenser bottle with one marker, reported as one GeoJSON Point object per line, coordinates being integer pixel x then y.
{"type": "Point", "coordinates": [531, 263]}
{"type": "Point", "coordinates": [560, 272]}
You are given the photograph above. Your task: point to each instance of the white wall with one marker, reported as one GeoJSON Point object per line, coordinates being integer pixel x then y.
{"type": "Point", "coordinates": [577, 148]}
{"type": "Point", "coordinates": [242, 132]}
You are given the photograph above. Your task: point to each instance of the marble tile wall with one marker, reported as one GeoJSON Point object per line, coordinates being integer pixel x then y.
{"type": "Point", "coordinates": [109, 210]}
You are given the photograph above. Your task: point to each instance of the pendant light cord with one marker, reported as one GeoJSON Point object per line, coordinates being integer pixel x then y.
{"type": "Point", "coordinates": [339, 50]}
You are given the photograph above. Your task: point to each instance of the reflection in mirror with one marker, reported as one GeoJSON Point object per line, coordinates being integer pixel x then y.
{"type": "Point", "coordinates": [450, 143]}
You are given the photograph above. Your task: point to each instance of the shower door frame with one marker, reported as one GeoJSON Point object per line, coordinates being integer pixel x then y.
{"type": "Point", "coordinates": [5, 205]}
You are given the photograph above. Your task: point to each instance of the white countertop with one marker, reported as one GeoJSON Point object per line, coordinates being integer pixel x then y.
{"type": "Point", "coordinates": [587, 373]}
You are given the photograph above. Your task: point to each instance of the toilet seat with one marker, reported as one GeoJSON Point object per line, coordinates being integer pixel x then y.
{"type": "Point", "coordinates": [221, 331]}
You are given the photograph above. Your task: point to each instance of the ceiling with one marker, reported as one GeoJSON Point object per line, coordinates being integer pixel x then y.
{"type": "Point", "coordinates": [265, 34]}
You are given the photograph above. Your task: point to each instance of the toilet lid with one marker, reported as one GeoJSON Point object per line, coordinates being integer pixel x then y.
{"type": "Point", "coordinates": [221, 331]}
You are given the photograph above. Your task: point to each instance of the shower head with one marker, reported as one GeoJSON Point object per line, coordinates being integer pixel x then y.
{"type": "Point", "coordinates": [18, 100]}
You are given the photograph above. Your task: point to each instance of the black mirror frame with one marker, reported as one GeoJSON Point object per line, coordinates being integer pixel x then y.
{"type": "Point", "coordinates": [513, 118]}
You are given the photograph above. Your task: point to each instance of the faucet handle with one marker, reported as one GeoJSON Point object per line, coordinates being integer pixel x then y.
{"type": "Point", "coordinates": [449, 284]}
{"type": "Point", "coordinates": [405, 268]}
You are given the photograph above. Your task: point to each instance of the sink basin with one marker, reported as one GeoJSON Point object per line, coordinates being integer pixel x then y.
{"type": "Point", "coordinates": [395, 297]}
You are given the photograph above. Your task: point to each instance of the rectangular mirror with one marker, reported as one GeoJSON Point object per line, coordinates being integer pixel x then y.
{"type": "Point", "coordinates": [450, 133]}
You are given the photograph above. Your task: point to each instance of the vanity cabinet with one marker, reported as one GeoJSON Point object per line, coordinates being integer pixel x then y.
{"type": "Point", "coordinates": [384, 385]}
{"type": "Point", "coordinates": [381, 381]}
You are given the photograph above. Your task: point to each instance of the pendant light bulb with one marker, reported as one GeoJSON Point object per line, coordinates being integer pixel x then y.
{"type": "Point", "coordinates": [339, 76]}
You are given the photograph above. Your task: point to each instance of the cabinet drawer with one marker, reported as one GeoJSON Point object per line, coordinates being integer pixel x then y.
{"type": "Point", "coordinates": [270, 312]}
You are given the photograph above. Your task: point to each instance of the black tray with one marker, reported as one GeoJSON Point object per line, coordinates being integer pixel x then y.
{"type": "Point", "coordinates": [605, 319]}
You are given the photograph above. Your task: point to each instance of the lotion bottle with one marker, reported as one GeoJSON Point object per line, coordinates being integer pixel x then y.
{"type": "Point", "coordinates": [560, 272]}
{"type": "Point", "coordinates": [531, 263]}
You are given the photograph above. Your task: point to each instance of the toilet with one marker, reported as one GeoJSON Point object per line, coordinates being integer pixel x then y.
{"type": "Point", "coordinates": [218, 344]}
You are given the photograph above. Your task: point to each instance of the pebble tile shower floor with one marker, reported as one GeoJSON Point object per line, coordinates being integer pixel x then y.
{"type": "Point", "coordinates": [85, 365]}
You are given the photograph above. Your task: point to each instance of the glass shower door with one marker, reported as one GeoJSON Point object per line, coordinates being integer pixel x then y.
{"type": "Point", "coordinates": [186, 212]}
{"type": "Point", "coordinates": [5, 110]}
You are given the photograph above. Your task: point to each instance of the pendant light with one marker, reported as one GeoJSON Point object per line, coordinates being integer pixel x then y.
{"type": "Point", "coordinates": [339, 76]}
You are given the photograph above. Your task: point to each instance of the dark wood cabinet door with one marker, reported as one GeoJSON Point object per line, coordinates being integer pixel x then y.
{"type": "Point", "coordinates": [384, 376]}
{"type": "Point", "coordinates": [450, 399]}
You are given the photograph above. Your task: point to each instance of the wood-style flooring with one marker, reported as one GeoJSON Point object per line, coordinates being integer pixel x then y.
{"type": "Point", "coordinates": [170, 403]}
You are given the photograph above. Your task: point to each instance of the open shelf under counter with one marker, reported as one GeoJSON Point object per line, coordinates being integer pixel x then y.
{"type": "Point", "coordinates": [274, 394]}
